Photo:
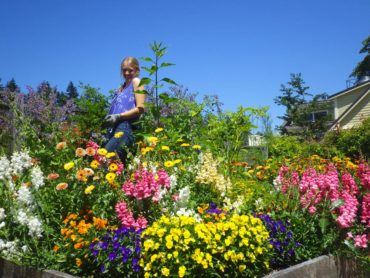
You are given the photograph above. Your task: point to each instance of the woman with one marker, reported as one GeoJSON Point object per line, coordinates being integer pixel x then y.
{"type": "Point", "coordinates": [125, 109]}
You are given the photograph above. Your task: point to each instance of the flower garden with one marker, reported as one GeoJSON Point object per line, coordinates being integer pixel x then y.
{"type": "Point", "coordinates": [190, 200]}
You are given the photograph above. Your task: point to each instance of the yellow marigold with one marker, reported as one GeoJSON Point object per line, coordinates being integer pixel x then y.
{"type": "Point", "coordinates": [185, 145]}
{"type": "Point", "coordinates": [90, 151]}
{"type": "Point", "coordinates": [197, 147]}
{"type": "Point", "coordinates": [165, 271]}
{"type": "Point", "coordinates": [182, 271]}
{"type": "Point", "coordinates": [102, 151]}
{"type": "Point", "coordinates": [110, 177]}
{"type": "Point", "coordinates": [113, 167]}
{"type": "Point", "coordinates": [78, 262]}
{"type": "Point", "coordinates": [169, 164]}
{"type": "Point", "coordinates": [80, 152]}
{"type": "Point", "coordinates": [118, 134]}
{"type": "Point", "coordinates": [110, 155]}
{"type": "Point", "coordinates": [89, 189]}
{"type": "Point", "coordinates": [61, 145]}
{"type": "Point", "coordinates": [157, 130]}
{"type": "Point", "coordinates": [69, 165]}
{"type": "Point", "coordinates": [165, 148]}
{"type": "Point", "coordinates": [94, 164]}
{"type": "Point", "coordinates": [152, 140]}
{"type": "Point", "coordinates": [61, 186]}
{"type": "Point", "coordinates": [81, 175]}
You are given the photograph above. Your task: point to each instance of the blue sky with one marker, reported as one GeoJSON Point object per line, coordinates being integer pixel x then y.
{"type": "Point", "coordinates": [241, 50]}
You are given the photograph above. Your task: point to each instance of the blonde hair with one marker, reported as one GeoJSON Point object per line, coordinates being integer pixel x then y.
{"type": "Point", "coordinates": [133, 62]}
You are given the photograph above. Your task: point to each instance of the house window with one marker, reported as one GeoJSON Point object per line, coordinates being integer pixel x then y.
{"type": "Point", "coordinates": [317, 115]}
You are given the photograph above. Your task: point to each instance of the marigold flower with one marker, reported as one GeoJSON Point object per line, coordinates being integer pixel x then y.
{"type": "Point", "coordinates": [68, 166]}
{"type": "Point", "coordinates": [94, 164]}
{"type": "Point", "coordinates": [185, 145]}
{"type": "Point", "coordinates": [78, 262]}
{"type": "Point", "coordinates": [81, 175]}
{"type": "Point", "coordinates": [55, 248]}
{"type": "Point", "coordinates": [113, 167]}
{"type": "Point", "coordinates": [90, 151]}
{"type": "Point", "coordinates": [118, 134]}
{"type": "Point", "coordinates": [165, 148]}
{"type": "Point", "coordinates": [110, 177]}
{"type": "Point", "coordinates": [169, 164]}
{"type": "Point", "coordinates": [61, 145]}
{"type": "Point", "coordinates": [89, 189]}
{"type": "Point", "coordinates": [157, 130]}
{"type": "Point", "coordinates": [102, 152]}
{"type": "Point", "coordinates": [53, 176]}
{"type": "Point", "coordinates": [152, 140]}
{"type": "Point", "coordinates": [78, 245]}
{"type": "Point", "coordinates": [80, 152]}
{"type": "Point", "coordinates": [61, 186]}
{"type": "Point", "coordinates": [110, 155]}
{"type": "Point", "coordinates": [197, 147]}
{"type": "Point", "coordinates": [100, 223]}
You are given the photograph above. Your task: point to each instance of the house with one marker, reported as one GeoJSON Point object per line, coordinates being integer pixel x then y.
{"type": "Point", "coordinates": [351, 106]}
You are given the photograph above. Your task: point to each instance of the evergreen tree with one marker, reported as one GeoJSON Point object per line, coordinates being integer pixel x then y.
{"type": "Point", "coordinates": [12, 86]}
{"type": "Point", "coordinates": [363, 67]}
{"type": "Point", "coordinates": [71, 91]}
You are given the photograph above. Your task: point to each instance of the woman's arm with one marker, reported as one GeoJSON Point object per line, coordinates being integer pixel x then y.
{"type": "Point", "coordinates": [139, 99]}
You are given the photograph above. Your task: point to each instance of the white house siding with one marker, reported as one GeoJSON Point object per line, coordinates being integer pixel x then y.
{"type": "Point", "coordinates": [345, 100]}
{"type": "Point", "coordinates": [358, 114]}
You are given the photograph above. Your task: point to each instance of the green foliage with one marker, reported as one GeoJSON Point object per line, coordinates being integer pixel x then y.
{"type": "Point", "coordinates": [363, 67]}
{"type": "Point", "coordinates": [92, 107]}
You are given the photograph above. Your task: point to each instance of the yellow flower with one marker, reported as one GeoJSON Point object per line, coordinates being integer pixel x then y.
{"type": "Point", "coordinates": [242, 267]}
{"type": "Point", "coordinates": [69, 165]}
{"type": "Point", "coordinates": [110, 155]}
{"type": "Point", "coordinates": [177, 161]}
{"type": "Point", "coordinates": [89, 189]}
{"type": "Point", "coordinates": [118, 134]}
{"type": "Point", "coordinates": [185, 145]}
{"type": "Point", "coordinates": [113, 167]}
{"type": "Point", "coordinates": [94, 164]}
{"type": "Point", "coordinates": [80, 152]}
{"type": "Point", "coordinates": [182, 271]}
{"type": "Point", "coordinates": [165, 271]}
{"type": "Point", "coordinates": [180, 140]}
{"type": "Point", "coordinates": [78, 262]}
{"type": "Point", "coordinates": [169, 164]}
{"type": "Point", "coordinates": [165, 148]}
{"type": "Point", "coordinates": [110, 177]}
{"type": "Point", "coordinates": [159, 129]}
{"type": "Point", "coordinates": [102, 151]}
{"type": "Point", "coordinates": [197, 147]}
{"type": "Point", "coordinates": [153, 140]}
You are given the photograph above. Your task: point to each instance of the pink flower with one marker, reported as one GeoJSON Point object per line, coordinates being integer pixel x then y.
{"type": "Point", "coordinates": [311, 209]}
{"type": "Point", "coordinates": [361, 241]}
{"type": "Point", "coordinates": [365, 214]}
{"type": "Point", "coordinates": [92, 144]}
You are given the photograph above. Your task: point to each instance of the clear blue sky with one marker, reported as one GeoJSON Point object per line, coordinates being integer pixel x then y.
{"type": "Point", "coordinates": [241, 50]}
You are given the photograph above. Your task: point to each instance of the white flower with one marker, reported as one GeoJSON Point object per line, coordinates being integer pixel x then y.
{"type": "Point", "coordinates": [24, 248]}
{"type": "Point", "coordinates": [2, 214]}
{"type": "Point", "coordinates": [184, 212]}
{"type": "Point", "coordinates": [2, 225]}
{"type": "Point", "coordinates": [35, 227]}
{"type": "Point", "coordinates": [184, 195]}
{"type": "Point", "coordinates": [37, 177]}
{"type": "Point", "coordinates": [19, 162]}
{"type": "Point", "coordinates": [277, 182]}
{"type": "Point", "coordinates": [24, 195]}
{"type": "Point", "coordinates": [173, 181]}
{"type": "Point", "coordinates": [22, 217]}
{"type": "Point", "coordinates": [5, 169]}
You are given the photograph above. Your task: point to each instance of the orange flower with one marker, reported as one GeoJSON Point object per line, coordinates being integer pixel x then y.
{"type": "Point", "coordinates": [80, 152]}
{"type": "Point", "coordinates": [55, 248]}
{"type": "Point", "coordinates": [81, 175]}
{"type": "Point", "coordinates": [89, 172]}
{"type": "Point", "coordinates": [73, 237]}
{"type": "Point", "coordinates": [100, 223]}
{"type": "Point", "coordinates": [83, 227]}
{"type": "Point", "coordinates": [53, 176]}
{"type": "Point", "coordinates": [61, 145]}
{"type": "Point", "coordinates": [90, 151]}
{"type": "Point", "coordinates": [78, 245]}
{"type": "Point", "coordinates": [62, 186]}
{"type": "Point", "coordinates": [78, 262]}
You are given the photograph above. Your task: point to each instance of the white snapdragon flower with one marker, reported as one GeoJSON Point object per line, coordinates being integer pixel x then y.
{"type": "Point", "coordinates": [189, 213]}
{"type": "Point", "coordinates": [277, 182]}
{"type": "Point", "coordinates": [173, 181]}
{"type": "Point", "coordinates": [184, 195]}
{"type": "Point", "coordinates": [2, 214]}
{"type": "Point", "coordinates": [35, 227]}
{"type": "Point", "coordinates": [5, 169]}
{"type": "Point", "coordinates": [37, 177]}
{"type": "Point", "coordinates": [22, 217]}
{"type": "Point", "coordinates": [19, 162]}
{"type": "Point", "coordinates": [24, 195]}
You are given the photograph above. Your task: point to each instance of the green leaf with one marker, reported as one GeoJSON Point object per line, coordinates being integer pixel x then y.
{"type": "Point", "coordinates": [145, 81]}
{"type": "Point", "coordinates": [147, 59]}
{"type": "Point", "coordinates": [143, 92]}
{"type": "Point", "coordinates": [323, 224]}
{"type": "Point", "coordinates": [336, 204]}
{"type": "Point", "coordinates": [170, 81]}
{"type": "Point", "coordinates": [166, 65]}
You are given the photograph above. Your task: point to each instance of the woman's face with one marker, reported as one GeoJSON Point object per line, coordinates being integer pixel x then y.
{"type": "Point", "coordinates": [128, 71]}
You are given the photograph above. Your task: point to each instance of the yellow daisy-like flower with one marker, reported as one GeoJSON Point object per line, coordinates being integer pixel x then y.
{"type": "Point", "coordinates": [89, 189]}
{"type": "Point", "coordinates": [152, 140]}
{"type": "Point", "coordinates": [118, 134]}
{"type": "Point", "coordinates": [110, 177]}
{"type": "Point", "coordinates": [69, 165]}
{"type": "Point", "coordinates": [197, 147]}
{"type": "Point", "coordinates": [159, 129]}
{"type": "Point", "coordinates": [94, 164]}
{"type": "Point", "coordinates": [165, 148]}
{"type": "Point", "coordinates": [182, 271]}
{"type": "Point", "coordinates": [113, 167]}
{"type": "Point", "coordinates": [185, 145]}
{"type": "Point", "coordinates": [177, 161]}
{"type": "Point", "coordinates": [110, 155]}
{"type": "Point", "coordinates": [169, 164]}
{"type": "Point", "coordinates": [165, 271]}
{"type": "Point", "coordinates": [102, 151]}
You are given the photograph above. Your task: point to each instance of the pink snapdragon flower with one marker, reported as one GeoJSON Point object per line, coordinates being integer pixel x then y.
{"type": "Point", "coordinates": [127, 218]}
{"type": "Point", "coordinates": [361, 241]}
{"type": "Point", "coordinates": [363, 172]}
{"type": "Point", "coordinates": [365, 214]}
